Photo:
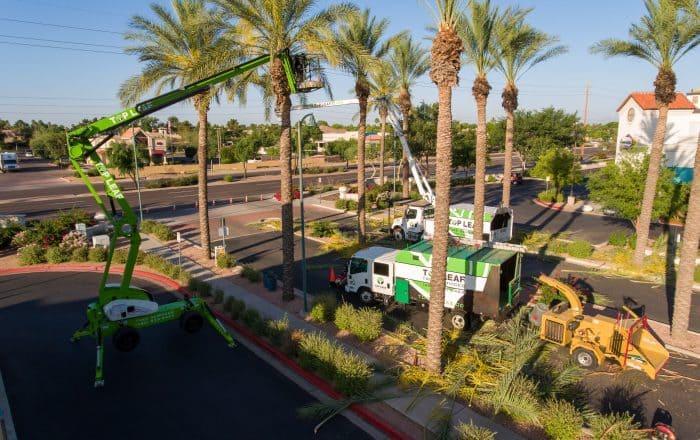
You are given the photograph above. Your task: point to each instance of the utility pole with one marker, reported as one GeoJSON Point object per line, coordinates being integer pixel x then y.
{"type": "Point", "coordinates": [585, 117]}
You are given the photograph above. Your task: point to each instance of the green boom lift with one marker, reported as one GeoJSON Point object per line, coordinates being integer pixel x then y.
{"type": "Point", "coordinates": [121, 309]}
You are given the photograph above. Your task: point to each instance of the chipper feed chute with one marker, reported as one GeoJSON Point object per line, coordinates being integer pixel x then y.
{"type": "Point", "coordinates": [646, 352]}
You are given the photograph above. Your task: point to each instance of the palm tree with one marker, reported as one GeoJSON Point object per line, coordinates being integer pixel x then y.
{"type": "Point", "coordinates": [178, 48]}
{"type": "Point", "coordinates": [382, 84]}
{"type": "Point", "coordinates": [689, 248]}
{"type": "Point", "coordinates": [410, 61]}
{"type": "Point", "coordinates": [360, 38]}
{"type": "Point", "coordinates": [667, 32]}
{"type": "Point", "coordinates": [445, 64]}
{"type": "Point", "coordinates": [271, 27]}
{"type": "Point", "coordinates": [519, 47]}
{"type": "Point", "coordinates": [478, 31]}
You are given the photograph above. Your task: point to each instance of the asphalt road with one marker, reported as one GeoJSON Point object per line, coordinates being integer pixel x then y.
{"type": "Point", "coordinates": [173, 386]}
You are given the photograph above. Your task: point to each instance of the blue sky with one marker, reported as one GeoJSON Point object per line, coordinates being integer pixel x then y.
{"type": "Point", "coordinates": [64, 86]}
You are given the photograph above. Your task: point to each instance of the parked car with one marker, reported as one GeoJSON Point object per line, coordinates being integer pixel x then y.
{"type": "Point", "coordinates": [28, 154]}
{"type": "Point", "coordinates": [516, 178]}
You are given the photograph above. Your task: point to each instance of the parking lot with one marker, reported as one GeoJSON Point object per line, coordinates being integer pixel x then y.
{"type": "Point", "coordinates": [172, 386]}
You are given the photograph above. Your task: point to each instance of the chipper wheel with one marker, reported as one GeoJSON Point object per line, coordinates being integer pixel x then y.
{"type": "Point", "coordinates": [191, 321]}
{"type": "Point", "coordinates": [126, 339]}
{"type": "Point", "coordinates": [585, 358]}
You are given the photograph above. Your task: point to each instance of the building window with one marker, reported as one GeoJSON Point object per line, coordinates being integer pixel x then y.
{"type": "Point", "coordinates": [630, 115]}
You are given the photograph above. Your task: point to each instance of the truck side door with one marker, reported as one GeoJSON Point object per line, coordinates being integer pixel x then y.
{"type": "Point", "coordinates": [358, 275]}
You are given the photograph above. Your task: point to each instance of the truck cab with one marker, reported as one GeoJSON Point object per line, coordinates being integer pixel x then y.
{"type": "Point", "coordinates": [412, 225]}
{"type": "Point", "coordinates": [371, 274]}
{"type": "Point", "coordinates": [8, 162]}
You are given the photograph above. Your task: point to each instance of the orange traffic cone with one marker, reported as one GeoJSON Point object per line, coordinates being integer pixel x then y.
{"type": "Point", "coordinates": [331, 275]}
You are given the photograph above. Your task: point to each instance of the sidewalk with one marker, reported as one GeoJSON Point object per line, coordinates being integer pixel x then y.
{"type": "Point", "coordinates": [420, 414]}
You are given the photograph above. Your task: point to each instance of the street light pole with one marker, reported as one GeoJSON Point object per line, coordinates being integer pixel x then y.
{"type": "Point", "coordinates": [301, 207]}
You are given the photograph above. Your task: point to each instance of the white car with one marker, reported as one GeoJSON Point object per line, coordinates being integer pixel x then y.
{"type": "Point", "coordinates": [28, 154]}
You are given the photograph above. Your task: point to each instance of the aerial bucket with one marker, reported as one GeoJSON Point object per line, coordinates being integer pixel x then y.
{"type": "Point", "coordinates": [307, 73]}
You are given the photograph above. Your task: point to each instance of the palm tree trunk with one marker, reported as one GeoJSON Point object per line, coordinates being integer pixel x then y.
{"type": "Point", "coordinates": [202, 105]}
{"type": "Point", "coordinates": [508, 161]}
{"type": "Point", "coordinates": [443, 175]}
{"type": "Point", "coordinates": [287, 199]}
{"type": "Point", "coordinates": [382, 117]}
{"type": "Point", "coordinates": [689, 248]}
{"type": "Point", "coordinates": [245, 170]}
{"type": "Point", "coordinates": [405, 190]}
{"type": "Point", "coordinates": [361, 129]}
{"type": "Point", "coordinates": [480, 172]}
{"type": "Point", "coordinates": [644, 219]}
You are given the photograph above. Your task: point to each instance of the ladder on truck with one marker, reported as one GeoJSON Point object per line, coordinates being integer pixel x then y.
{"type": "Point", "coordinates": [421, 181]}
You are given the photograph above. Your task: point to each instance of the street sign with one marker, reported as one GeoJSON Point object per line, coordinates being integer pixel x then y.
{"type": "Point", "coordinates": [81, 228]}
{"type": "Point", "coordinates": [179, 237]}
{"type": "Point", "coordinates": [223, 231]}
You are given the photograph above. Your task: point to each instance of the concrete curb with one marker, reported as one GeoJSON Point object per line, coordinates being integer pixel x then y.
{"type": "Point", "coordinates": [167, 282]}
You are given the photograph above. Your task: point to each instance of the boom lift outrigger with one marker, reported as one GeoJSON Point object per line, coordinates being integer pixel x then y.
{"type": "Point", "coordinates": [121, 308]}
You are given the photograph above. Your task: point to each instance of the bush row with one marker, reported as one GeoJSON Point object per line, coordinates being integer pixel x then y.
{"type": "Point", "coordinates": [348, 205]}
{"type": "Point", "coordinates": [322, 170]}
{"type": "Point", "coordinates": [549, 196]}
{"type": "Point", "coordinates": [161, 231]}
{"type": "Point", "coordinates": [47, 232]}
{"type": "Point", "coordinates": [176, 181]}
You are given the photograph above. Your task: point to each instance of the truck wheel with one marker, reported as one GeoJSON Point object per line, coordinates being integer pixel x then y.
{"type": "Point", "coordinates": [458, 321]}
{"type": "Point", "coordinates": [585, 358]}
{"type": "Point", "coordinates": [191, 322]}
{"type": "Point", "coordinates": [398, 234]}
{"type": "Point", "coordinates": [126, 339]}
{"type": "Point", "coordinates": [366, 296]}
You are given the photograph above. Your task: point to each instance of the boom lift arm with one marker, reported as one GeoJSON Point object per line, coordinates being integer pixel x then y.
{"type": "Point", "coordinates": [122, 308]}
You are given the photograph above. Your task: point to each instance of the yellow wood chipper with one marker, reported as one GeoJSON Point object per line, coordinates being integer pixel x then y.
{"type": "Point", "coordinates": [594, 333]}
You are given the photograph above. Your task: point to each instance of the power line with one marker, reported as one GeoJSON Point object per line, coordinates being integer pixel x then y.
{"type": "Point", "coordinates": [39, 23]}
{"type": "Point", "coordinates": [61, 48]}
{"type": "Point", "coordinates": [59, 41]}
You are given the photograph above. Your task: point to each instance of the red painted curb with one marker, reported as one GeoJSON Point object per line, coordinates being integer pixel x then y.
{"type": "Point", "coordinates": [553, 205]}
{"type": "Point", "coordinates": [167, 282]}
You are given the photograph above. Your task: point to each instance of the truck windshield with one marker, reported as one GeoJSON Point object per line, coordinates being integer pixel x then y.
{"type": "Point", "coordinates": [358, 265]}
{"type": "Point", "coordinates": [411, 213]}
{"type": "Point", "coordinates": [9, 162]}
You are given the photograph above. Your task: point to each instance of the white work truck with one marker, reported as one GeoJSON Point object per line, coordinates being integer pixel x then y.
{"type": "Point", "coordinates": [418, 223]}
{"type": "Point", "coordinates": [8, 162]}
{"type": "Point", "coordinates": [483, 281]}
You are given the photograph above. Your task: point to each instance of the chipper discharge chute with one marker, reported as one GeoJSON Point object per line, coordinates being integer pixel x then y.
{"type": "Point", "coordinates": [594, 333]}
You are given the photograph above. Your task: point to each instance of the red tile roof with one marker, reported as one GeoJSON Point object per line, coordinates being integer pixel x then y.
{"type": "Point", "coordinates": [647, 101]}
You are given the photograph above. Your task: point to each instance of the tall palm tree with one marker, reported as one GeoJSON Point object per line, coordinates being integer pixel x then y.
{"type": "Point", "coordinates": [478, 31]}
{"type": "Point", "coordinates": [444, 72]}
{"type": "Point", "coordinates": [362, 40]}
{"type": "Point", "coordinates": [410, 61]}
{"type": "Point", "coordinates": [179, 47]}
{"type": "Point", "coordinates": [667, 32]}
{"type": "Point", "coordinates": [273, 26]}
{"type": "Point", "coordinates": [382, 84]}
{"type": "Point", "coordinates": [689, 249]}
{"type": "Point", "coordinates": [519, 48]}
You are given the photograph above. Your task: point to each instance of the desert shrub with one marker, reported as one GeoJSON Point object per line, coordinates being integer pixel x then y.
{"type": "Point", "coordinates": [251, 318]}
{"type": "Point", "coordinates": [56, 255]}
{"type": "Point", "coordinates": [474, 432]}
{"type": "Point", "coordinates": [366, 324]}
{"type": "Point", "coordinates": [31, 254]}
{"type": "Point", "coordinates": [120, 256]}
{"type": "Point", "coordinates": [237, 308]}
{"type": "Point", "coordinates": [79, 255]}
{"type": "Point", "coordinates": [251, 274]}
{"type": "Point", "coordinates": [323, 228]}
{"type": "Point", "coordinates": [615, 427]}
{"type": "Point", "coordinates": [7, 233]}
{"type": "Point", "coordinates": [228, 178]}
{"type": "Point", "coordinates": [225, 261]}
{"type": "Point", "coordinates": [491, 179]}
{"type": "Point", "coordinates": [558, 246]}
{"type": "Point", "coordinates": [323, 308]}
{"type": "Point", "coordinates": [277, 329]}
{"type": "Point", "coordinates": [161, 231]}
{"type": "Point", "coordinates": [166, 183]}
{"type": "Point", "coordinates": [97, 255]}
{"type": "Point", "coordinates": [550, 196]}
{"type": "Point", "coordinates": [343, 316]}
{"type": "Point", "coordinates": [341, 204]}
{"type": "Point", "coordinates": [349, 372]}
{"type": "Point", "coordinates": [618, 238]}
{"type": "Point", "coordinates": [580, 249]}
{"type": "Point", "coordinates": [561, 420]}
{"type": "Point", "coordinates": [184, 277]}
{"type": "Point", "coordinates": [219, 297]}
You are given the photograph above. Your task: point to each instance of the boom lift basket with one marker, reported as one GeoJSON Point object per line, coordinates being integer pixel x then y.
{"type": "Point", "coordinates": [307, 73]}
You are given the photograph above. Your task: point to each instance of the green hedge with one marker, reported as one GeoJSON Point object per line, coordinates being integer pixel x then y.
{"type": "Point", "coordinates": [550, 196]}
{"type": "Point", "coordinates": [348, 205]}
{"type": "Point", "coordinates": [350, 372]}
{"type": "Point", "coordinates": [322, 228]}
{"type": "Point", "coordinates": [167, 183]}
{"type": "Point", "coordinates": [228, 178]}
{"type": "Point", "coordinates": [161, 231]}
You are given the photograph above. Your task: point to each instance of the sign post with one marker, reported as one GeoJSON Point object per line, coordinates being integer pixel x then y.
{"type": "Point", "coordinates": [179, 249]}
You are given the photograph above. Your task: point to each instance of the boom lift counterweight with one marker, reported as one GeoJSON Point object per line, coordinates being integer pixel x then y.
{"type": "Point", "coordinates": [121, 309]}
